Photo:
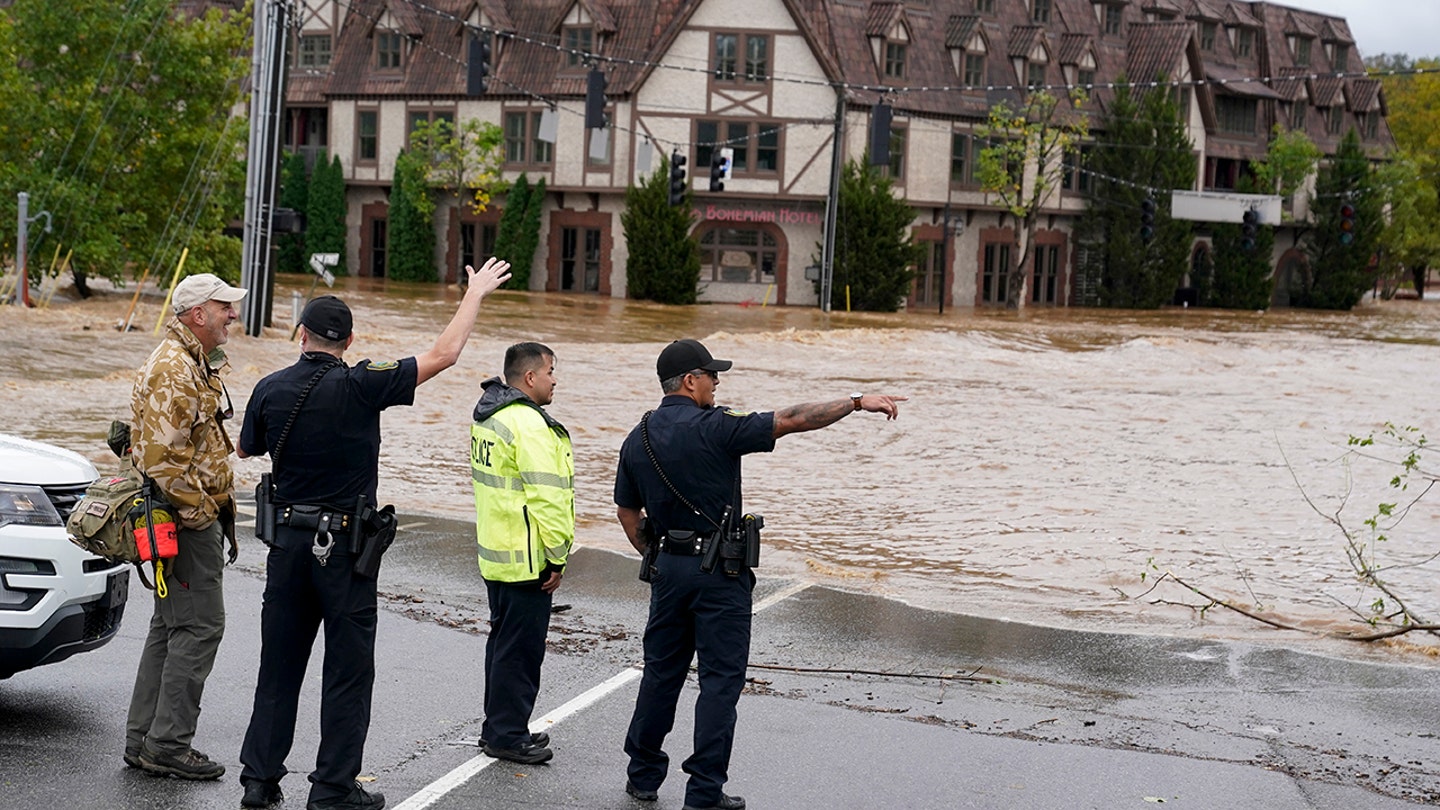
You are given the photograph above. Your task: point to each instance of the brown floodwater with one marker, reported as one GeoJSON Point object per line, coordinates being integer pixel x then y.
{"type": "Point", "coordinates": [1047, 466]}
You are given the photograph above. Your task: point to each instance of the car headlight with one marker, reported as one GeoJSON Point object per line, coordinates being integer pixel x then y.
{"type": "Point", "coordinates": [27, 506]}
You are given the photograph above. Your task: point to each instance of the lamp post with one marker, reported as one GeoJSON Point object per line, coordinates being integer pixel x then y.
{"type": "Point", "coordinates": [22, 291]}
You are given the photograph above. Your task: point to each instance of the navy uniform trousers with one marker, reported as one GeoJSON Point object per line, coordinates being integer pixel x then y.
{"type": "Point", "coordinates": [691, 612]}
{"type": "Point", "coordinates": [300, 594]}
{"type": "Point", "coordinates": [519, 621]}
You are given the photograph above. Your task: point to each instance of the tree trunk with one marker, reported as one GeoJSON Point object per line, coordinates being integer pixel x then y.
{"type": "Point", "coordinates": [1419, 274]}
{"type": "Point", "coordinates": [81, 282]}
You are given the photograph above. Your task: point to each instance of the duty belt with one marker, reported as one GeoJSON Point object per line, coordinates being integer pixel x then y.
{"type": "Point", "coordinates": [324, 520]}
{"type": "Point", "coordinates": [685, 543]}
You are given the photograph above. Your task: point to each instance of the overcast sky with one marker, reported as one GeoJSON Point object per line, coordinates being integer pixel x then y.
{"type": "Point", "coordinates": [1385, 26]}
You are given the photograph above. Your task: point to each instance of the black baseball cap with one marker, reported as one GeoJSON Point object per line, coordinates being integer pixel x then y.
{"type": "Point", "coordinates": [687, 355]}
{"type": "Point", "coordinates": [327, 317]}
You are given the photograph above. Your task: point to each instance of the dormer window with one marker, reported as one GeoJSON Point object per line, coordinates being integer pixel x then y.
{"type": "Point", "coordinates": [1297, 115]}
{"type": "Point", "coordinates": [579, 40]}
{"type": "Point", "coordinates": [1339, 54]}
{"type": "Point", "coordinates": [1035, 75]}
{"type": "Point", "coordinates": [894, 60]}
{"type": "Point", "coordinates": [1301, 47]}
{"type": "Point", "coordinates": [727, 56]}
{"type": "Point", "coordinates": [314, 50]}
{"type": "Point", "coordinates": [1112, 17]}
{"type": "Point", "coordinates": [1040, 11]}
{"type": "Point", "coordinates": [985, 6]}
{"type": "Point", "coordinates": [1207, 36]}
{"type": "Point", "coordinates": [1244, 42]}
{"type": "Point", "coordinates": [974, 69]}
{"type": "Point", "coordinates": [389, 50]}
{"type": "Point", "coordinates": [1336, 123]}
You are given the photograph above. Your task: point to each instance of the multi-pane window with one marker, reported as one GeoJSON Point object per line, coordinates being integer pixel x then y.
{"type": "Point", "coordinates": [1342, 55]}
{"type": "Point", "coordinates": [962, 160]}
{"type": "Point", "coordinates": [418, 117]}
{"type": "Point", "coordinates": [1237, 115]}
{"type": "Point", "coordinates": [1040, 11]}
{"type": "Point", "coordinates": [314, 50]}
{"type": "Point", "coordinates": [367, 132]}
{"type": "Point", "coordinates": [389, 48]}
{"type": "Point", "coordinates": [1336, 121]}
{"type": "Point", "coordinates": [895, 60]}
{"type": "Point", "coordinates": [1074, 177]}
{"type": "Point", "coordinates": [756, 145]}
{"type": "Point", "coordinates": [379, 233]}
{"type": "Point", "coordinates": [578, 42]}
{"type": "Point", "coordinates": [927, 274]}
{"type": "Point", "coordinates": [580, 259]}
{"type": "Point", "coordinates": [1302, 51]}
{"type": "Point", "coordinates": [1035, 75]}
{"type": "Point", "coordinates": [985, 6]}
{"type": "Point", "coordinates": [995, 273]}
{"type": "Point", "coordinates": [975, 69]}
{"type": "Point", "coordinates": [1113, 16]}
{"type": "Point", "coordinates": [1207, 36]}
{"type": "Point", "coordinates": [1372, 125]}
{"type": "Point", "coordinates": [522, 139]}
{"type": "Point", "coordinates": [1297, 116]}
{"type": "Point", "coordinates": [898, 139]}
{"type": "Point", "coordinates": [1047, 271]}
{"type": "Point", "coordinates": [738, 255]}
{"type": "Point", "coordinates": [1085, 78]}
{"type": "Point", "coordinates": [728, 54]}
{"type": "Point", "coordinates": [477, 241]}
{"type": "Point", "coordinates": [1244, 43]}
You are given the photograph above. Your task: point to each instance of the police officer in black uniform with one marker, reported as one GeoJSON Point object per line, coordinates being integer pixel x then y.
{"type": "Point", "coordinates": [678, 480]}
{"type": "Point", "coordinates": [320, 422]}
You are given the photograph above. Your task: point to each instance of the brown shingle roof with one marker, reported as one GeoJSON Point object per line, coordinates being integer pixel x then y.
{"type": "Point", "coordinates": [1073, 47]}
{"type": "Point", "coordinates": [959, 28]}
{"type": "Point", "coordinates": [1298, 25]}
{"type": "Point", "coordinates": [1023, 38]}
{"type": "Point", "coordinates": [1364, 95]}
{"type": "Point", "coordinates": [1291, 81]}
{"type": "Point", "coordinates": [1333, 30]}
{"type": "Point", "coordinates": [1238, 14]}
{"type": "Point", "coordinates": [1156, 49]}
{"type": "Point", "coordinates": [1237, 83]}
{"type": "Point", "coordinates": [1327, 91]}
{"type": "Point", "coordinates": [881, 18]}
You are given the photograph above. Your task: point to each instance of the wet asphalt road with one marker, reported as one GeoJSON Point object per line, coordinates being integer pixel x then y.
{"type": "Point", "coordinates": [1023, 717]}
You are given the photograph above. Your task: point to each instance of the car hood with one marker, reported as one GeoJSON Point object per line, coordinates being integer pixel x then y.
{"type": "Point", "coordinates": [25, 462]}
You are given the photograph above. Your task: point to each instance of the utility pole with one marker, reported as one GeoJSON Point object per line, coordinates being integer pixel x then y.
{"type": "Point", "coordinates": [22, 284]}
{"type": "Point", "coordinates": [827, 250]}
{"type": "Point", "coordinates": [267, 100]}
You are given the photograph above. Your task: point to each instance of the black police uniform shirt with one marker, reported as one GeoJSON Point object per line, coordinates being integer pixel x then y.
{"type": "Point", "coordinates": [699, 449]}
{"type": "Point", "coordinates": [332, 453]}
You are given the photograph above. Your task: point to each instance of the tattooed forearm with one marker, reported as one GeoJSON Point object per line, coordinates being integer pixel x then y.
{"type": "Point", "coordinates": [811, 416]}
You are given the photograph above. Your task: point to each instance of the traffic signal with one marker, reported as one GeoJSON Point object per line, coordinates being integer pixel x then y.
{"type": "Point", "coordinates": [880, 135]}
{"type": "Point", "coordinates": [479, 65]}
{"type": "Point", "coordinates": [1249, 225]}
{"type": "Point", "coordinates": [677, 179]}
{"type": "Point", "coordinates": [595, 100]}
{"type": "Point", "coordinates": [720, 168]}
{"type": "Point", "coordinates": [1347, 223]}
{"type": "Point", "coordinates": [1147, 219]}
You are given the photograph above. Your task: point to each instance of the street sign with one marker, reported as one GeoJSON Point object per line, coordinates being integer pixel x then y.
{"type": "Point", "coordinates": [320, 261]}
{"type": "Point", "coordinates": [1224, 206]}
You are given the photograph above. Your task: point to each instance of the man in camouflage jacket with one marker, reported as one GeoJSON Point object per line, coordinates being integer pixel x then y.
{"type": "Point", "coordinates": [178, 438]}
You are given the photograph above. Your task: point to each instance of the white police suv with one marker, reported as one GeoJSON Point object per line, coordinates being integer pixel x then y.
{"type": "Point", "coordinates": [56, 600]}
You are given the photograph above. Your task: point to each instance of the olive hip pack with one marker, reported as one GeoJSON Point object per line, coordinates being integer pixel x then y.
{"type": "Point", "coordinates": [124, 519]}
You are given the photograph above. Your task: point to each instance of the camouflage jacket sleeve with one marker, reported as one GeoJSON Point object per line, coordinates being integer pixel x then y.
{"type": "Point", "coordinates": [175, 436]}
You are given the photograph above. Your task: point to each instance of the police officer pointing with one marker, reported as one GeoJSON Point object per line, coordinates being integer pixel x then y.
{"type": "Point", "coordinates": [677, 495]}
{"type": "Point", "coordinates": [320, 422]}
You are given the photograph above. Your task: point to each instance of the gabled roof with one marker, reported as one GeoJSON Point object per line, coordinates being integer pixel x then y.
{"type": "Point", "coordinates": [1291, 84]}
{"type": "Point", "coordinates": [882, 18]}
{"type": "Point", "coordinates": [1327, 91]}
{"type": "Point", "coordinates": [959, 28]}
{"type": "Point", "coordinates": [1073, 48]}
{"type": "Point", "coordinates": [1168, 6]}
{"type": "Point", "coordinates": [1335, 31]}
{"type": "Point", "coordinates": [493, 11]}
{"type": "Point", "coordinates": [1203, 10]}
{"type": "Point", "coordinates": [1023, 39]}
{"type": "Point", "coordinates": [1156, 49]}
{"type": "Point", "coordinates": [1297, 25]}
{"type": "Point", "coordinates": [1365, 95]}
{"type": "Point", "coordinates": [1229, 81]}
{"type": "Point", "coordinates": [1239, 16]}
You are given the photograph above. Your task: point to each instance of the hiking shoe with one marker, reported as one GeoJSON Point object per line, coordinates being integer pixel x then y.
{"type": "Point", "coordinates": [539, 739]}
{"type": "Point", "coordinates": [190, 764]}
{"type": "Point", "coordinates": [640, 794]}
{"type": "Point", "coordinates": [259, 793]}
{"type": "Point", "coordinates": [525, 754]}
{"type": "Point", "coordinates": [725, 803]}
{"type": "Point", "coordinates": [132, 758]}
{"type": "Point", "coordinates": [358, 799]}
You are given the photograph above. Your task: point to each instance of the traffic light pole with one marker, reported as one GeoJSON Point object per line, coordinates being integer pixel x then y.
{"type": "Point", "coordinates": [267, 101]}
{"type": "Point", "coordinates": [827, 250]}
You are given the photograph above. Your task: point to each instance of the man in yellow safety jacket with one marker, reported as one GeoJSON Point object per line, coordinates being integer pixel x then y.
{"type": "Point", "coordinates": [523, 469]}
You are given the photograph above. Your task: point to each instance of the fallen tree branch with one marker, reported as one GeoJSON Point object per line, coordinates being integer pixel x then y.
{"type": "Point", "coordinates": [968, 677]}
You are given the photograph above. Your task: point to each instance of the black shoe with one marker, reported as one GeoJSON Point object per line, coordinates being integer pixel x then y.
{"type": "Point", "coordinates": [641, 795]}
{"type": "Point", "coordinates": [725, 803]}
{"type": "Point", "coordinates": [539, 739]}
{"type": "Point", "coordinates": [188, 765]}
{"type": "Point", "coordinates": [357, 800]}
{"type": "Point", "coordinates": [524, 753]}
{"type": "Point", "coordinates": [261, 794]}
{"type": "Point", "coordinates": [132, 758]}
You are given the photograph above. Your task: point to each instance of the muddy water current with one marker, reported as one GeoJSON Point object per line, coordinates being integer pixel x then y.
{"type": "Point", "coordinates": [1048, 466]}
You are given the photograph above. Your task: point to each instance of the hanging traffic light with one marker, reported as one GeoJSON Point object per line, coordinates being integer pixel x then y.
{"type": "Point", "coordinates": [720, 168]}
{"type": "Point", "coordinates": [479, 65]}
{"type": "Point", "coordinates": [1249, 226]}
{"type": "Point", "coordinates": [1347, 223]}
{"type": "Point", "coordinates": [677, 179]}
{"type": "Point", "coordinates": [595, 100]}
{"type": "Point", "coordinates": [880, 135]}
{"type": "Point", "coordinates": [1147, 219]}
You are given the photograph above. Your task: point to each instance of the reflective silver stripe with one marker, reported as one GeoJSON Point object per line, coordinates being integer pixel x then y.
{"type": "Point", "coordinates": [502, 557]}
{"type": "Point", "coordinates": [499, 429]}
{"type": "Point", "coordinates": [496, 481]}
{"type": "Point", "coordinates": [544, 479]}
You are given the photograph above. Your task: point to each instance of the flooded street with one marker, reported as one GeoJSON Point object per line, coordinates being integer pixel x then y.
{"type": "Point", "coordinates": [1045, 463]}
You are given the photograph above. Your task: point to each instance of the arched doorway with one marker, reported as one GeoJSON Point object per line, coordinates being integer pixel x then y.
{"type": "Point", "coordinates": [741, 261]}
{"type": "Point", "coordinates": [1289, 278]}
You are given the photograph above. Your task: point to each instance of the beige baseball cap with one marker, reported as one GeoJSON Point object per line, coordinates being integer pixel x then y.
{"type": "Point", "coordinates": [201, 287]}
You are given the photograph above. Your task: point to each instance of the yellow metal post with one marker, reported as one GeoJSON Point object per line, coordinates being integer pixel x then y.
{"type": "Point", "coordinates": [173, 281]}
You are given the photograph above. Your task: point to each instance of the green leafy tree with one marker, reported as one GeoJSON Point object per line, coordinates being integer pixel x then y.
{"type": "Point", "coordinates": [1144, 153]}
{"type": "Point", "coordinates": [875, 257]}
{"type": "Point", "coordinates": [1290, 158]}
{"type": "Point", "coordinates": [325, 210]}
{"type": "Point", "coordinates": [1240, 278]}
{"type": "Point", "coordinates": [1339, 273]}
{"type": "Point", "coordinates": [527, 238]}
{"type": "Point", "coordinates": [664, 262]}
{"type": "Point", "coordinates": [1024, 165]}
{"type": "Point", "coordinates": [117, 122]}
{"type": "Point", "coordinates": [507, 233]}
{"type": "Point", "coordinates": [411, 239]}
{"type": "Point", "coordinates": [1410, 240]}
{"type": "Point", "coordinates": [463, 163]}
{"type": "Point", "coordinates": [295, 195]}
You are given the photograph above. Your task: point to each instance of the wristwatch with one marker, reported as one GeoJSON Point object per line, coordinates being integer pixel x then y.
{"type": "Point", "coordinates": [855, 398]}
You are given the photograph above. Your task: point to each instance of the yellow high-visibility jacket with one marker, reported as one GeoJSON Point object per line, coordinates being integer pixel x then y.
{"type": "Point", "coordinates": [524, 475]}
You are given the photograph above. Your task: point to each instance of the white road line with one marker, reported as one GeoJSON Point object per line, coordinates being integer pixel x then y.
{"type": "Point", "coordinates": [408, 526]}
{"type": "Point", "coordinates": [433, 792]}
